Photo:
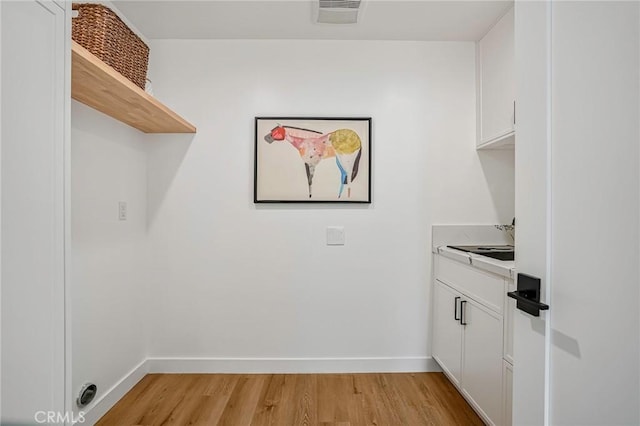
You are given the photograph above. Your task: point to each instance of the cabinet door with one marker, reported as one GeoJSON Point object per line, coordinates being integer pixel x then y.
{"type": "Point", "coordinates": [482, 359]}
{"type": "Point", "coordinates": [447, 332]}
{"type": "Point", "coordinates": [496, 56]}
{"type": "Point", "coordinates": [509, 311]}
{"type": "Point", "coordinates": [32, 226]}
{"type": "Point", "coordinates": [507, 386]}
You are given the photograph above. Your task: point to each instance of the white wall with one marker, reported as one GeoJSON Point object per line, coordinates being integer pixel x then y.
{"type": "Point", "coordinates": [109, 291]}
{"type": "Point", "coordinates": [234, 280]}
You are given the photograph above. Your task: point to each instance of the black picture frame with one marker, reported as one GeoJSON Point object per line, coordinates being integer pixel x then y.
{"type": "Point", "coordinates": [282, 175]}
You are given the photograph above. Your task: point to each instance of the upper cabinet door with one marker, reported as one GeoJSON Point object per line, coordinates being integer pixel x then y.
{"type": "Point", "coordinates": [496, 57]}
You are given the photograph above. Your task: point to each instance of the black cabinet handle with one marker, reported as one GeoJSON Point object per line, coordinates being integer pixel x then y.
{"type": "Point", "coordinates": [455, 309]}
{"type": "Point", "coordinates": [462, 310]}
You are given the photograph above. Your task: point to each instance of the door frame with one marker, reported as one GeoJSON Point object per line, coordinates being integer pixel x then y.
{"type": "Point", "coordinates": [68, 366]}
{"type": "Point", "coordinates": [532, 343]}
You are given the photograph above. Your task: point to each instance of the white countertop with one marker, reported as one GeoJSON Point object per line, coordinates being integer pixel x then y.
{"type": "Point", "coordinates": [505, 268]}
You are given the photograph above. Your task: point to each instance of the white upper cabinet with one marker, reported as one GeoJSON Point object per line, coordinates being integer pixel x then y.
{"type": "Point", "coordinates": [496, 85]}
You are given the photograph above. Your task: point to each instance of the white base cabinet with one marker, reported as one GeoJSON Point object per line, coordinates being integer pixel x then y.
{"type": "Point", "coordinates": [507, 390]}
{"type": "Point", "coordinates": [447, 342]}
{"type": "Point", "coordinates": [469, 337]}
{"type": "Point", "coordinates": [482, 359]}
{"type": "Point", "coordinates": [509, 312]}
{"type": "Point", "coordinates": [507, 372]}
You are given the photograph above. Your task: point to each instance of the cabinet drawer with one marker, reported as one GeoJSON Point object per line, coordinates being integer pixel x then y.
{"type": "Point", "coordinates": [486, 288]}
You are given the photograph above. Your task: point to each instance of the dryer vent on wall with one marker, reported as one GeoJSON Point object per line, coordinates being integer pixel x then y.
{"type": "Point", "coordinates": [338, 11]}
{"type": "Point", "coordinates": [86, 394]}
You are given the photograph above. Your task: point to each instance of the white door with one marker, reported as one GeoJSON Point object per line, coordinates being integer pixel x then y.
{"type": "Point", "coordinates": [447, 331]}
{"type": "Point", "coordinates": [577, 196]}
{"type": "Point", "coordinates": [594, 212]}
{"type": "Point", "coordinates": [32, 220]}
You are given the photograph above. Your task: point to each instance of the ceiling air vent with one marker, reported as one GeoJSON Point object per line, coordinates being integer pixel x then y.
{"type": "Point", "coordinates": [338, 11]}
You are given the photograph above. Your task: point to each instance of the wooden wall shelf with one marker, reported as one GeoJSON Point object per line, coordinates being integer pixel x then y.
{"type": "Point", "coordinates": [99, 86]}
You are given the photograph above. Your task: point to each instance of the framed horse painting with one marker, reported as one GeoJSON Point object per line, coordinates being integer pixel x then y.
{"type": "Point", "coordinates": [312, 160]}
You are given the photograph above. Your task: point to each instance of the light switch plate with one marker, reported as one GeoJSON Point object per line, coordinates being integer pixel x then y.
{"type": "Point", "coordinates": [335, 235]}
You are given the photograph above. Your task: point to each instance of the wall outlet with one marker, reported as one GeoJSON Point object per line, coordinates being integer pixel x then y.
{"type": "Point", "coordinates": [335, 235]}
{"type": "Point", "coordinates": [122, 210]}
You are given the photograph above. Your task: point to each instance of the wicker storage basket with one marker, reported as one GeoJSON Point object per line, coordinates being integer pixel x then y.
{"type": "Point", "coordinates": [102, 32]}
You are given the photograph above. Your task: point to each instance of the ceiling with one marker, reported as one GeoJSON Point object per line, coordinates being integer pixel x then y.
{"type": "Point", "coordinates": [295, 19]}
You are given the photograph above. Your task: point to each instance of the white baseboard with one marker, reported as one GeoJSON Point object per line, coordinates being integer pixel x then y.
{"type": "Point", "coordinates": [292, 365]}
{"type": "Point", "coordinates": [109, 398]}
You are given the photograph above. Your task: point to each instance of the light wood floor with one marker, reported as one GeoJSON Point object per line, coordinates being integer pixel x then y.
{"type": "Point", "coordinates": [292, 399]}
